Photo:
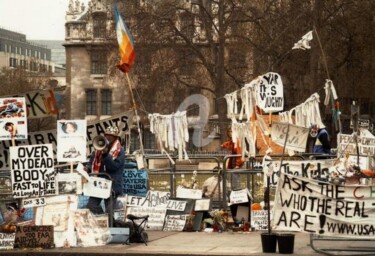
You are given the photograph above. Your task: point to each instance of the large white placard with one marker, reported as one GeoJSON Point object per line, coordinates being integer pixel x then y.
{"type": "Point", "coordinates": [32, 171]}
{"type": "Point", "coordinates": [71, 140]}
{"type": "Point", "coordinates": [270, 93]}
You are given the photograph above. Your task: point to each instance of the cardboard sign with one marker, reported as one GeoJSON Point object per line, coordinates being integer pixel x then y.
{"type": "Point", "coordinates": [297, 136]}
{"type": "Point", "coordinates": [7, 241]}
{"type": "Point", "coordinates": [347, 145]}
{"type": "Point", "coordinates": [135, 182]}
{"type": "Point", "coordinates": [34, 237]}
{"type": "Point", "coordinates": [32, 173]}
{"type": "Point", "coordinates": [270, 93]}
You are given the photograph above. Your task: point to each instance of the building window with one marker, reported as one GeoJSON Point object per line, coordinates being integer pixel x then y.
{"type": "Point", "coordinates": [99, 25]}
{"type": "Point", "coordinates": [13, 62]}
{"type": "Point", "coordinates": [106, 102]}
{"type": "Point", "coordinates": [91, 102]}
{"type": "Point", "coordinates": [98, 62]}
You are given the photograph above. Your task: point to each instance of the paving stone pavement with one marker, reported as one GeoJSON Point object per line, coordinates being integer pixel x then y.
{"type": "Point", "coordinates": [201, 243]}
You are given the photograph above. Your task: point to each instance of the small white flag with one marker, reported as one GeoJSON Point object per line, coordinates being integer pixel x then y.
{"type": "Point", "coordinates": [304, 43]}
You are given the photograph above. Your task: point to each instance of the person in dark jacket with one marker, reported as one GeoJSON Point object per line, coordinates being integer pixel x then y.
{"type": "Point", "coordinates": [110, 160]}
{"type": "Point", "coordinates": [321, 144]}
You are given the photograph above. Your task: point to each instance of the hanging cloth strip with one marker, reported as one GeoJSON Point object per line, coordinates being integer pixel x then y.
{"type": "Point", "coordinates": [306, 114]}
{"type": "Point", "coordinates": [171, 132]}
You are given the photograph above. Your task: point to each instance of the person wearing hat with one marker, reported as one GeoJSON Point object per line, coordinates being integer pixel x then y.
{"type": "Point", "coordinates": [110, 160]}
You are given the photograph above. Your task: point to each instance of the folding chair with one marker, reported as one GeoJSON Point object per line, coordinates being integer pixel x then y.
{"type": "Point", "coordinates": [137, 233]}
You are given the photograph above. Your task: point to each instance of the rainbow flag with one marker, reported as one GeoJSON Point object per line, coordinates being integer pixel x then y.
{"type": "Point", "coordinates": [125, 42]}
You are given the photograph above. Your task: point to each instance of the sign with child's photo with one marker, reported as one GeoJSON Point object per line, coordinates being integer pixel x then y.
{"type": "Point", "coordinates": [71, 140]}
{"type": "Point", "coordinates": [13, 119]}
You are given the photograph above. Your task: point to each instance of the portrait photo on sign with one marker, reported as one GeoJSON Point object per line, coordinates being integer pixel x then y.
{"type": "Point", "coordinates": [69, 183]}
{"type": "Point", "coordinates": [13, 119]}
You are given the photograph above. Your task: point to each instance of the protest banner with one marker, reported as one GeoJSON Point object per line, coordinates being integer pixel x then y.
{"type": "Point", "coordinates": [69, 183]}
{"type": "Point", "coordinates": [123, 121]}
{"type": "Point", "coordinates": [306, 168]}
{"type": "Point", "coordinates": [71, 140]}
{"type": "Point", "coordinates": [135, 182]}
{"type": "Point", "coordinates": [32, 171]}
{"type": "Point", "coordinates": [270, 93]}
{"type": "Point", "coordinates": [297, 136]}
{"type": "Point", "coordinates": [307, 205]}
{"type": "Point", "coordinates": [13, 120]}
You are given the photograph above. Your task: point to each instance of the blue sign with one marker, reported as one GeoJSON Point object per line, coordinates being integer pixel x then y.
{"type": "Point", "coordinates": [135, 182]}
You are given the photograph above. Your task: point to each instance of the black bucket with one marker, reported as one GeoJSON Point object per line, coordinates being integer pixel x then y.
{"type": "Point", "coordinates": [268, 242]}
{"type": "Point", "coordinates": [285, 243]}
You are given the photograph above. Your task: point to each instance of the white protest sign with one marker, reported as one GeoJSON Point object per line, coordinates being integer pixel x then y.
{"type": "Point", "coordinates": [71, 140]}
{"type": "Point", "coordinates": [32, 171]}
{"type": "Point", "coordinates": [306, 168]}
{"type": "Point", "coordinates": [202, 205]}
{"type": "Point", "coordinates": [270, 93]}
{"type": "Point", "coordinates": [297, 136]}
{"type": "Point", "coordinates": [97, 187]}
{"type": "Point", "coordinates": [175, 222]}
{"type": "Point", "coordinates": [188, 193]}
{"type": "Point", "coordinates": [7, 241]}
{"type": "Point", "coordinates": [323, 208]}
{"type": "Point", "coordinates": [238, 196]}
{"type": "Point", "coordinates": [259, 219]}
{"type": "Point", "coordinates": [69, 183]}
{"type": "Point", "coordinates": [156, 216]}
{"type": "Point", "coordinates": [34, 202]}
{"type": "Point", "coordinates": [13, 120]}
{"type": "Point", "coordinates": [176, 205]}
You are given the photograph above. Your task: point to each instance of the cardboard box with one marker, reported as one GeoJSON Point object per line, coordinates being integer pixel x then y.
{"type": "Point", "coordinates": [119, 235]}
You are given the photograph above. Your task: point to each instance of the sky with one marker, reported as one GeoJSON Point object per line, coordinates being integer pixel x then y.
{"type": "Point", "coordinates": [37, 19]}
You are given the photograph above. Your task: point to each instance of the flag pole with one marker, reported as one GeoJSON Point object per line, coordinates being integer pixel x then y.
{"type": "Point", "coordinates": [136, 114]}
{"type": "Point", "coordinates": [323, 54]}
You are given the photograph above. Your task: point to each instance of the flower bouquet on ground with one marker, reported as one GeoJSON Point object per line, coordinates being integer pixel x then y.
{"type": "Point", "coordinates": [219, 219]}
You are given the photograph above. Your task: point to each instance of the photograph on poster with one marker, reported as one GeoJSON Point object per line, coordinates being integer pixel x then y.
{"type": "Point", "coordinates": [13, 120]}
